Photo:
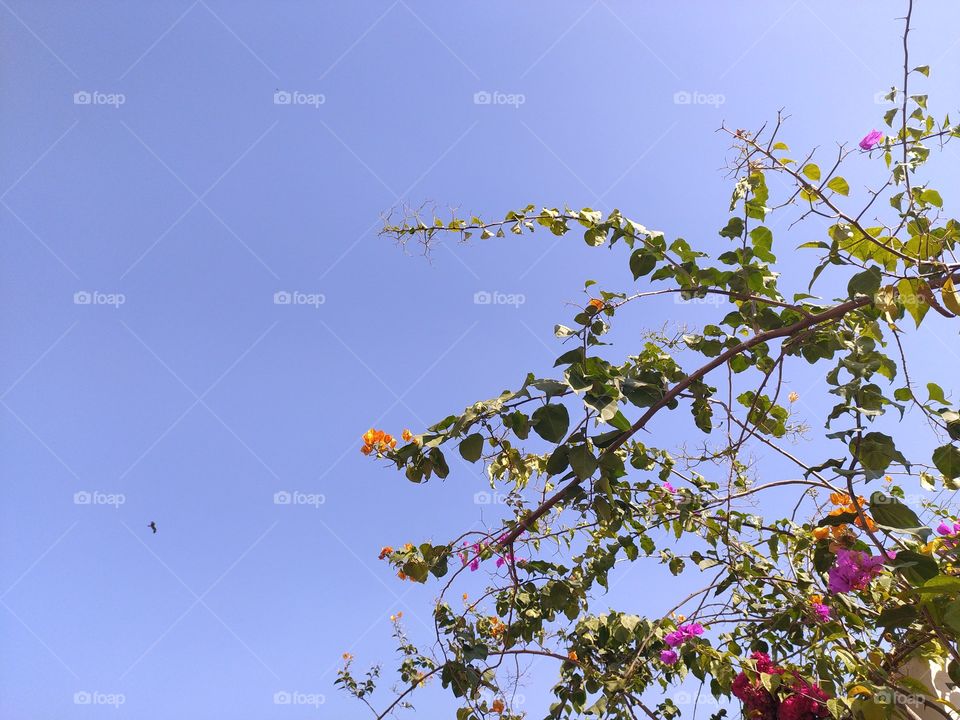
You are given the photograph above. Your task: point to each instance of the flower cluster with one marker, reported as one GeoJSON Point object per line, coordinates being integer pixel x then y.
{"type": "Point", "coordinates": [871, 140]}
{"type": "Point", "coordinates": [377, 441]}
{"type": "Point", "coordinates": [946, 529]}
{"type": "Point", "coordinates": [853, 570]}
{"type": "Point", "coordinates": [803, 701]}
{"type": "Point", "coordinates": [821, 612]}
{"type": "Point", "coordinates": [472, 554]}
{"type": "Point", "coordinates": [677, 638]}
{"type": "Point", "coordinates": [844, 506]}
{"type": "Point", "coordinates": [382, 443]}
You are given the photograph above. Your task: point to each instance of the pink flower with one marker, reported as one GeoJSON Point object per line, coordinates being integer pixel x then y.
{"type": "Point", "coordinates": [871, 139]}
{"type": "Point", "coordinates": [674, 639]}
{"type": "Point", "coordinates": [683, 633]}
{"type": "Point", "coordinates": [946, 528]}
{"type": "Point", "coordinates": [821, 611]}
{"type": "Point", "coordinates": [668, 657]}
{"type": "Point", "coordinates": [854, 570]}
{"type": "Point", "coordinates": [808, 702]}
{"type": "Point", "coordinates": [668, 487]}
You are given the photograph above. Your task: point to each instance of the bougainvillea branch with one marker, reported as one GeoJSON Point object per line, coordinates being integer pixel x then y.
{"type": "Point", "coordinates": [822, 605]}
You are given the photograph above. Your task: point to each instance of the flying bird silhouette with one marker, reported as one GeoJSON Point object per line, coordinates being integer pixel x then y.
{"type": "Point", "coordinates": [153, 526]}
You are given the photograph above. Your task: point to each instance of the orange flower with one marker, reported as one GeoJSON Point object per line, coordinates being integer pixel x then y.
{"type": "Point", "coordinates": [347, 656]}
{"type": "Point", "coordinates": [406, 435]}
{"type": "Point", "coordinates": [366, 449]}
{"type": "Point", "coordinates": [838, 531]}
{"type": "Point", "coordinates": [401, 574]}
{"type": "Point", "coordinates": [840, 499]}
{"type": "Point", "coordinates": [497, 706]}
{"type": "Point", "coordinates": [384, 551]}
{"type": "Point", "coordinates": [871, 525]}
{"type": "Point", "coordinates": [572, 655]}
{"type": "Point", "coordinates": [368, 436]}
{"type": "Point", "coordinates": [816, 599]}
{"type": "Point", "coordinates": [821, 533]}
{"type": "Point", "coordinates": [408, 547]}
{"type": "Point", "coordinates": [596, 304]}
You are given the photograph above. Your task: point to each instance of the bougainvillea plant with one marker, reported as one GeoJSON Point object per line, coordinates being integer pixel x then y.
{"type": "Point", "coordinates": [803, 616]}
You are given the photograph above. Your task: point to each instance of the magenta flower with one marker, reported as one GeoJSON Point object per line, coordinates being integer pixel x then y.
{"type": "Point", "coordinates": [669, 657]}
{"type": "Point", "coordinates": [674, 639]}
{"type": "Point", "coordinates": [682, 634]}
{"type": "Point", "coordinates": [871, 140]}
{"type": "Point", "coordinates": [854, 570]}
{"type": "Point", "coordinates": [822, 612]}
{"type": "Point", "coordinates": [668, 487]}
{"type": "Point", "coordinates": [946, 528]}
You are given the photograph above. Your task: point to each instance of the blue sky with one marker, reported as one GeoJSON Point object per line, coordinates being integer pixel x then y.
{"type": "Point", "coordinates": [158, 191]}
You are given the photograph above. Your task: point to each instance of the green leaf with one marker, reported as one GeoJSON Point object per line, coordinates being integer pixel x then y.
{"type": "Point", "coordinates": [936, 393]}
{"type": "Point", "coordinates": [839, 185]}
{"type": "Point", "coordinates": [941, 584]}
{"type": "Point", "coordinates": [734, 228]}
{"type": "Point", "coordinates": [551, 422]}
{"type": "Point", "coordinates": [641, 263]}
{"type": "Point", "coordinates": [558, 461]}
{"type": "Point", "coordinates": [932, 197]}
{"type": "Point", "coordinates": [864, 283]}
{"type": "Point", "coordinates": [892, 513]}
{"type": "Point", "coordinates": [913, 298]}
{"type": "Point", "coordinates": [472, 447]}
{"type": "Point", "coordinates": [582, 461]}
{"type": "Point", "coordinates": [875, 452]}
{"type": "Point", "coordinates": [947, 460]}
{"type": "Point", "coordinates": [897, 617]}
{"type": "Point", "coordinates": [915, 567]}
{"type": "Point", "coordinates": [811, 171]}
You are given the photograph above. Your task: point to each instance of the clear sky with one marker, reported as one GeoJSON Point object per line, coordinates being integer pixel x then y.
{"type": "Point", "coordinates": [169, 167]}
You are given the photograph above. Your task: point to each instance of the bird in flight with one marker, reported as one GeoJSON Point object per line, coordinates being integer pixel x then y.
{"type": "Point", "coordinates": [153, 526]}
